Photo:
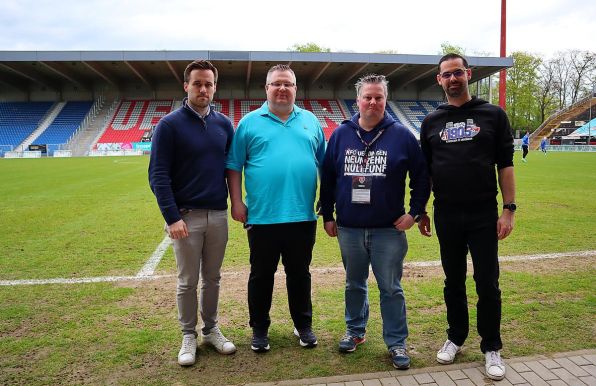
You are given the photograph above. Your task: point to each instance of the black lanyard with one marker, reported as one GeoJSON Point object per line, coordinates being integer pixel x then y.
{"type": "Point", "coordinates": [367, 145]}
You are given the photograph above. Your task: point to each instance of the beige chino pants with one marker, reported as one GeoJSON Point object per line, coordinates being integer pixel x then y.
{"type": "Point", "coordinates": [200, 255]}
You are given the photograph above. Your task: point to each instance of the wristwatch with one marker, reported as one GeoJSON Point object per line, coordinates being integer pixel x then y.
{"type": "Point", "coordinates": [510, 207]}
{"type": "Point", "coordinates": [418, 217]}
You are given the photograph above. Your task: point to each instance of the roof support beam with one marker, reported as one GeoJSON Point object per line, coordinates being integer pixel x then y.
{"type": "Point", "coordinates": [319, 73]}
{"type": "Point", "coordinates": [248, 75]}
{"type": "Point", "coordinates": [394, 70]}
{"type": "Point", "coordinates": [12, 83]}
{"type": "Point", "coordinates": [417, 76]}
{"type": "Point", "coordinates": [138, 73]}
{"type": "Point", "coordinates": [55, 68]}
{"type": "Point", "coordinates": [352, 74]}
{"type": "Point", "coordinates": [31, 76]}
{"type": "Point", "coordinates": [96, 69]}
{"type": "Point", "coordinates": [174, 72]}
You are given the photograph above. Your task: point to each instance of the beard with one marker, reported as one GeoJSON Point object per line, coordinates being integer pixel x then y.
{"type": "Point", "coordinates": [202, 101]}
{"type": "Point", "coordinates": [455, 92]}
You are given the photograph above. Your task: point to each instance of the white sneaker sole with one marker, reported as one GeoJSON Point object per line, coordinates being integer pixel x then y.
{"type": "Point", "coordinates": [260, 349]}
{"type": "Point", "coordinates": [303, 344]}
{"type": "Point", "coordinates": [187, 362]}
{"type": "Point", "coordinates": [224, 352]}
{"type": "Point", "coordinates": [448, 362]}
{"type": "Point", "coordinates": [495, 377]}
{"type": "Point", "coordinates": [444, 362]}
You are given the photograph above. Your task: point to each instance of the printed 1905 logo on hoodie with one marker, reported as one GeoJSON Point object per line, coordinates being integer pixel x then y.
{"type": "Point", "coordinates": [459, 131]}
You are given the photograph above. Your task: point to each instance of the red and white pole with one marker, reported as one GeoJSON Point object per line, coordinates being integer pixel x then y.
{"type": "Point", "coordinates": [503, 73]}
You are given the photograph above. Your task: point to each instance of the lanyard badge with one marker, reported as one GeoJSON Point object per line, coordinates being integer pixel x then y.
{"type": "Point", "coordinates": [362, 185]}
{"type": "Point", "coordinates": [361, 189]}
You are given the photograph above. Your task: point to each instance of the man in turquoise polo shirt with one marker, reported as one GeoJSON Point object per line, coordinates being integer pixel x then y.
{"type": "Point", "coordinates": [280, 147]}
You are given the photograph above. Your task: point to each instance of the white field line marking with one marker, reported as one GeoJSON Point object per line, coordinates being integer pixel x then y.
{"type": "Point", "coordinates": [437, 263]}
{"type": "Point", "coordinates": [139, 277]}
{"type": "Point", "coordinates": [98, 279]}
{"type": "Point", "coordinates": [155, 258]}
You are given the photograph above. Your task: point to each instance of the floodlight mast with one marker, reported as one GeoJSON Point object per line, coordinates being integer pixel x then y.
{"type": "Point", "coordinates": [503, 72]}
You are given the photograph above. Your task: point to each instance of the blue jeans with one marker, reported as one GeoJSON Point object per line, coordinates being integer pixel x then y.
{"type": "Point", "coordinates": [384, 249]}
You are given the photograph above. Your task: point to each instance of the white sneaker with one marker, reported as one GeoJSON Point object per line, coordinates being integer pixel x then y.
{"type": "Point", "coordinates": [216, 339]}
{"type": "Point", "coordinates": [447, 353]}
{"type": "Point", "coordinates": [187, 354]}
{"type": "Point", "coordinates": [495, 368]}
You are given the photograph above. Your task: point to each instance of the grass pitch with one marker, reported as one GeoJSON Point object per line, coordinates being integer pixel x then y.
{"type": "Point", "coordinates": [87, 217]}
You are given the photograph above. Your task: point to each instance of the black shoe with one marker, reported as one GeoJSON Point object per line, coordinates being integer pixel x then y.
{"type": "Point", "coordinates": [307, 337]}
{"type": "Point", "coordinates": [259, 342]}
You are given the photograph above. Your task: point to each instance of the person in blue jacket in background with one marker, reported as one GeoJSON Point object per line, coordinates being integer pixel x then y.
{"type": "Point", "coordinates": [525, 146]}
{"type": "Point", "coordinates": [364, 176]}
{"type": "Point", "coordinates": [543, 145]}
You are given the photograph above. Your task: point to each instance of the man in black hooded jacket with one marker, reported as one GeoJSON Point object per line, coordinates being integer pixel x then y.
{"type": "Point", "coordinates": [467, 142]}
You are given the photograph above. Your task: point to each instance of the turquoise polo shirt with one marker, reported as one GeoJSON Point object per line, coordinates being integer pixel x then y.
{"type": "Point", "coordinates": [281, 162]}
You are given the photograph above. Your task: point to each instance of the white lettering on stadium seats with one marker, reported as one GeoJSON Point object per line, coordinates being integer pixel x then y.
{"type": "Point", "coordinates": [155, 111]}
{"type": "Point", "coordinates": [127, 116]}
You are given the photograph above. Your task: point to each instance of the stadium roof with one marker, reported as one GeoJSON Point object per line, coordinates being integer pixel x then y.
{"type": "Point", "coordinates": [84, 69]}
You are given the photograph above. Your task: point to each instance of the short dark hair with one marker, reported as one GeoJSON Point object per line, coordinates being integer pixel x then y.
{"type": "Point", "coordinates": [450, 56]}
{"type": "Point", "coordinates": [199, 65]}
{"type": "Point", "coordinates": [281, 68]}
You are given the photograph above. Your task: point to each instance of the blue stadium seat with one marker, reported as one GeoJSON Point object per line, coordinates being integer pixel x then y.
{"type": "Point", "coordinates": [63, 126]}
{"type": "Point", "coordinates": [415, 111]}
{"type": "Point", "coordinates": [18, 120]}
{"type": "Point", "coordinates": [353, 108]}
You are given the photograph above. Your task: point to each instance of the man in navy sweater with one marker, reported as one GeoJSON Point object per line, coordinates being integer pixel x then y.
{"type": "Point", "coordinates": [187, 176]}
{"type": "Point", "coordinates": [364, 177]}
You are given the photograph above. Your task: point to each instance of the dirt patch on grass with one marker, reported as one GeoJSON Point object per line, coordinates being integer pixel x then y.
{"type": "Point", "coordinates": [152, 308]}
{"type": "Point", "coordinates": [159, 295]}
{"type": "Point", "coordinates": [161, 292]}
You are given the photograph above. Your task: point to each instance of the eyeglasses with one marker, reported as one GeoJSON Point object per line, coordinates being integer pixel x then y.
{"type": "Point", "coordinates": [457, 73]}
{"type": "Point", "coordinates": [280, 84]}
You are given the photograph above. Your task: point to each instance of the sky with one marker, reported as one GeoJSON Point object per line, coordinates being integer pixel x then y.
{"type": "Point", "coordinates": [541, 27]}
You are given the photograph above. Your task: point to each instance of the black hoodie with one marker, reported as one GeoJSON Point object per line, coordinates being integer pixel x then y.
{"type": "Point", "coordinates": [462, 145]}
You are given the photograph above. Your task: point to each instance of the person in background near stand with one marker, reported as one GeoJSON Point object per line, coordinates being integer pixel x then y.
{"type": "Point", "coordinates": [543, 145]}
{"type": "Point", "coordinates": [187, 176]}
{"type": "Point", "coordinates": [525, 146]}
{"type": "Point", "coordinates": [467, 142]}
{"type": "Point", "coordinates": [364, 178]}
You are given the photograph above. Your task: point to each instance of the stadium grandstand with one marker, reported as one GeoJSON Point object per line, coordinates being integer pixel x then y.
{"type": "Point", "coordinates": [571, 128]}
{"type": "Point", "coordinates": [108, 102]}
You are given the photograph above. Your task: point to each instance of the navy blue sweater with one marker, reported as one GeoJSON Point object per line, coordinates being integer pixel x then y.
{"type": "Point", "coordinates": [188, 157]}
{"type": "Point", "coordinates": [396, 154]}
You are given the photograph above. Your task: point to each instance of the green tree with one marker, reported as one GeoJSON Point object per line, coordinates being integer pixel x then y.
{"type": "Point", "coordinates": [583, 64]}
{"type": "Point", "coordinates": [448, 48]}
{"type": "Point", "coordinates": [547, 96]}
{"type": "Point", "coordinates": [387, 52]}
{"type": "Point", "coordinates": [523, 90]}
{"type": "Point", "coordinates": [308, 47]}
